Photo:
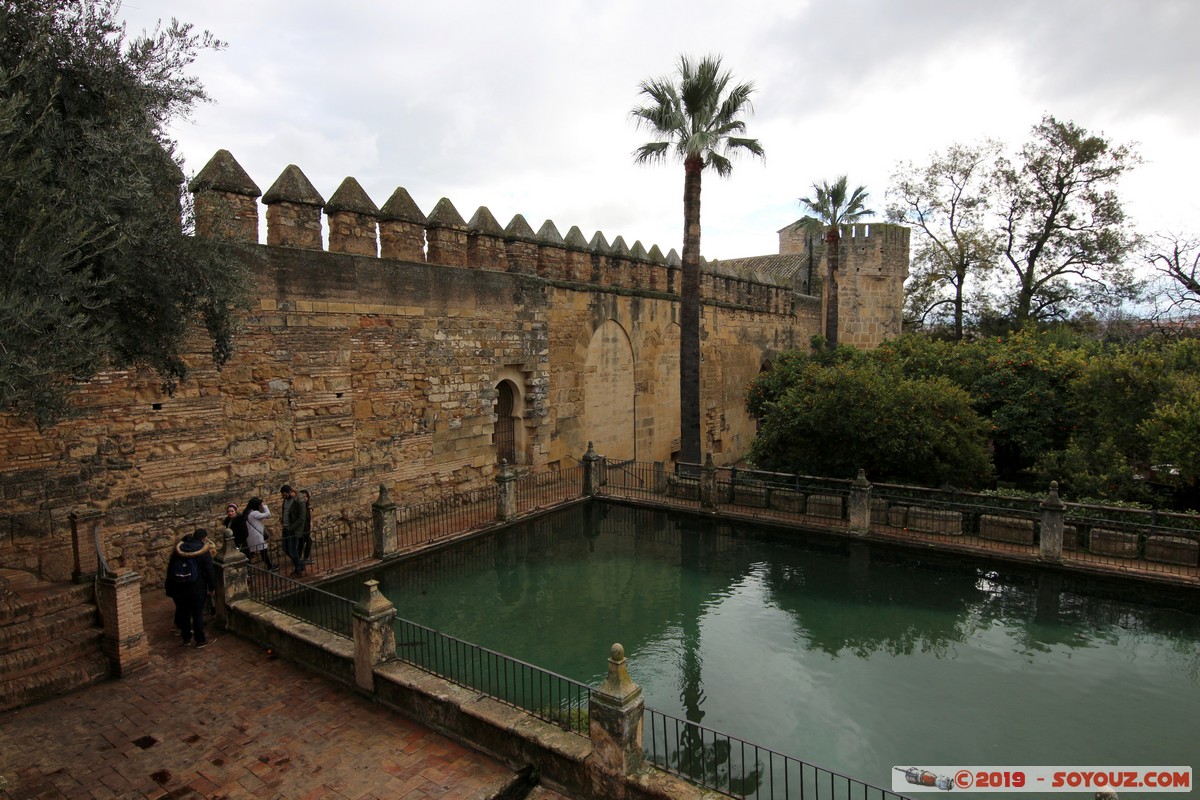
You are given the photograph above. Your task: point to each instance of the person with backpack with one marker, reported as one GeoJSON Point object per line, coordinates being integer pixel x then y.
{"type": "Point", "coordinates": [190, 580]}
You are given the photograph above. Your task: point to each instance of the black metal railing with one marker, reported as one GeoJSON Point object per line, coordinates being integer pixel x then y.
{"type": "Point", "coordinates": [303, 601]}
{"type": "Point", "coordinates": [546, 695]}
{"type": "Point", "coordinates": [424, 523]}
{"type": "Point", "coordinates": [738, 768]}
{"type": "Point", "coordinates": [536, 491]}
{"type": "Point", "coordinates": [343, 542]}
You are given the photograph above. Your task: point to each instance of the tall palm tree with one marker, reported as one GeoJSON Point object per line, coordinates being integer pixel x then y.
{"type": "Point", "coordinates": [828, 210]}
{"type": "Point", "coordinates": [694, 114]}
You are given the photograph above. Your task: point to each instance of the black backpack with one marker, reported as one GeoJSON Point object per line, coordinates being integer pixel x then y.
{"type": "Point", "coordinates": [241, 531]}
{"type": "Point", "coordinates": [184, 570]}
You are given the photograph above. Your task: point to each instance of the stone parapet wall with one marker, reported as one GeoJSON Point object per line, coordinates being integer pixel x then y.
{"type": "Point", "coordinates": [226, 207]}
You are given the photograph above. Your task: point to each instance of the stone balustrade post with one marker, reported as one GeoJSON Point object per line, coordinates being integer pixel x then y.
{"type": "Point", "coordinates": [615, 719]}
{"type": "Point", "coordinates": [860, 504]}
{"type": "Point", "coordinates": [85, 534]}
{"type": "Point", "coordinates": [232, 577]}
{"type": "Point", "coordinates": [374, 635]}
{"type": "Point", "coordinates": [383, 520]}
{"type": "Point", "coordinates": [506, 498]}
{"type": "Point", "coordinates": [708, 484]}
{"type": "Point", "coordinates": [119, 599]}
{"type": "Point", "coordinates": [1054, 513]}
{"type": "Point", "coordinates": [592, 469]}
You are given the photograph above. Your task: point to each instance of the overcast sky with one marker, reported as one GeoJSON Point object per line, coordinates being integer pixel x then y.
{"type": "Point", "coordinates": [524, 107]}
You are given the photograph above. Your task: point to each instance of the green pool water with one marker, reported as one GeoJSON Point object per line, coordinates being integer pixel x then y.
{"type": "Point", "coordinates": [852, 658]}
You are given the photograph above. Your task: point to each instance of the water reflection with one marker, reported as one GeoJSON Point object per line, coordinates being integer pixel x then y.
{"type": "Point", "coordinates": [845, 655]}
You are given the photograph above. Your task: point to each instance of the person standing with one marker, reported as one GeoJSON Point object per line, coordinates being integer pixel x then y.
{"type": "Point", "coordinates": [256, 535]}
{"type": "Point", "coordinates": [232, 528]}
{"type": "Point", "coordinates": [293, 528]}
{"type": "Point", "coordinates": [190, 582]}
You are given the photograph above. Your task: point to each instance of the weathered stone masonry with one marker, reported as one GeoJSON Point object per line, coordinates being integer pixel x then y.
{"type": "Point", "coordinates": [354, 370]}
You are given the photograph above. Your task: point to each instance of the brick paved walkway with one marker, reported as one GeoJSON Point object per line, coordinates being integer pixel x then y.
{"type": "Point", "coordinates": [228, 721]}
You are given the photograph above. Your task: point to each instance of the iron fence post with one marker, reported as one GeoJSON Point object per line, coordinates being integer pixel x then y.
{"type": "Point", "coordinates": [383, 517]}
{"type": "Point", "coordinates": [1051, 538]}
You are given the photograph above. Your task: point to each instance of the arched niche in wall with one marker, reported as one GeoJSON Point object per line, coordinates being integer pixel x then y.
{"type": "Point", "coordinates": [666, 390]}
{"type": "Point", "coordinates": [508, 434]}
{"type": "Point", "coordinates": [608, 418]}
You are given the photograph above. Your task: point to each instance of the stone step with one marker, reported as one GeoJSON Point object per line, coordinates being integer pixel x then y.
{"type": "Point", "coordinates": [16, 664]}
{"type": "Point", "coordinates": [59, 679]}
{"type": "Point", "coordinates": [45, 629]}
{"type": "Point", "coordinates": [31, 598]}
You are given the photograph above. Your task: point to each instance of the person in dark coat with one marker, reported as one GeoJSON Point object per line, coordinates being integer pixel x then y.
{"type": "Point", "coordinates": [191, 579]}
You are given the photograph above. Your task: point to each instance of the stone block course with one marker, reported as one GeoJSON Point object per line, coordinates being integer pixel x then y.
{"type": "Point", "coordinates": [1173, 550]}
{"type": "Point", "coordinates": [1102, 541]}
{"type": "Point", "coordinates": [1006, 529]}
{"type": "Point", "coordinates": [932, 520]}
{"type": "Point", "coordinates": [825, 505]}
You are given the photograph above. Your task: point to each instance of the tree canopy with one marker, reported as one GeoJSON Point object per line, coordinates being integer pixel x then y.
{"type": "Point", "coordinates": [1063, 232]}
{"type": "Point", "coordinates": [832, 416]}
{"type": "Point", "coordinates": [96, 270]}
{"type": "Point", "coordinates": [1002, 241]}
{"type": "Point", "coordinates": [1112, 422]}
{"type": "Point", "coordinates": [948, 203]}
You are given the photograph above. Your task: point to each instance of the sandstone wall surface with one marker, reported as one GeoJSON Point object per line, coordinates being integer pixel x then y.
{"type": "Point", "coordinates": [353, 371]}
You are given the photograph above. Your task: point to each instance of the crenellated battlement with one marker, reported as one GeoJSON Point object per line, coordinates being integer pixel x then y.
{"type": "Point", "coordinates": [226, 202]}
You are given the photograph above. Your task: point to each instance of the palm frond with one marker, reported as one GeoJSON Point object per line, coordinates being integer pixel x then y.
{"type": "Point", "coordinates": [830, 204]}
{"type": "Point", "coordinates": [696, 111]}
{"type": "Point", "coordinates": [650, 152]}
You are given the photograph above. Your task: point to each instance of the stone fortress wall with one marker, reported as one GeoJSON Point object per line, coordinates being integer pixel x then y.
{"type": "Point", "coordinates": [412, 353]}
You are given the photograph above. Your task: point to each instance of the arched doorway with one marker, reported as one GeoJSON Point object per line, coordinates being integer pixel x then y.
{"type": "Point", "coordinates": [504, 436]}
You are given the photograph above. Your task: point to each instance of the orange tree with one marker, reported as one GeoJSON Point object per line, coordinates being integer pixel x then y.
{"type": "Point", "coordinates": [834, 415]}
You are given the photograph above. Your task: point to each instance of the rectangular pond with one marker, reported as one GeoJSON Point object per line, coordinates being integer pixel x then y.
{"type": "Point", "coordinates": [851, 657]}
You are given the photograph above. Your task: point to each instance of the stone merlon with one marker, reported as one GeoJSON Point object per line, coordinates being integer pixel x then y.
{"type": "Point", "coordinates": [519, 229]}
{"type": "Point", "coordinates": [401, 208]}
{"type": "Point", "coordinates": [293, 186]}
{"type": "Point", "coordinates": [574, 239]}
{"type": "Point", "coordinates": [223, 173]}
{"type": "Point", "coordinates": [484, 223]}
{"type": "Point", "coordinates": [351, 197]}
{"type": "Point", "coordinates": [548, 234]}
{"type": "Point", "coordinates": [445, 215]}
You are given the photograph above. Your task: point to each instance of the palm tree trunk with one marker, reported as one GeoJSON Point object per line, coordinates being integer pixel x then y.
{"type": "Point", "coordinates": [689, 316]}
{"type": "Point", "coordinates": [833, 241]}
